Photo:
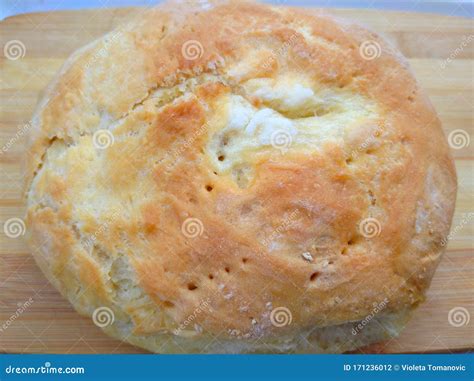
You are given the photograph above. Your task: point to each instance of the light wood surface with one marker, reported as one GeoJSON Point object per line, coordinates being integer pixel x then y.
{"type": "Point", "coordinates": [50, 324]}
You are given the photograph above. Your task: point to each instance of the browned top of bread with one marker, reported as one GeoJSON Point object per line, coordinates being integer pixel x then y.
{"type": "Point", "coordinates": [243, 156]}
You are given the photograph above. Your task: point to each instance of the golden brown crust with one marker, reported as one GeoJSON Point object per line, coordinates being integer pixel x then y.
{"type": "Point", "coordinates": [194, 202]}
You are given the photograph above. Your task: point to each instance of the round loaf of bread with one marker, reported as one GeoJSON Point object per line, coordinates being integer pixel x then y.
{"type": "Point", "coordinates": [228, 177]}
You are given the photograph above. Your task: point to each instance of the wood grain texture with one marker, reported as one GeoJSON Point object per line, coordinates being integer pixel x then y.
{"type": "Point", "coordinates": [441, 52]}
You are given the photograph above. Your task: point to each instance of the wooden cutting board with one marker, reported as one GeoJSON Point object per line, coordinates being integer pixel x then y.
{"type": "Point", "coordinates": [49, 324]}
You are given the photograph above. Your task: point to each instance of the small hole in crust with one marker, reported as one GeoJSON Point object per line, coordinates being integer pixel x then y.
{"type": "Point", "coordinates": [373, 200]}
{"type": "Point", "coordinates": [221, 157]}
{"type": "Point", "coordinates": [314, 276]}
{"type": "Point", "coordinates": [227, 269]}
{"type": "Point", "coordinates": [192, 287]}
{"type": "Point", "coordinates": [344, 251]}
{"type": "Point", "coordinates": [244, 260]}
{"type": "Point", "coordinates": [209, 188]}
{"type": "Point", "coordinates": [351, 242]}
{"type": "Point", "coordinates": [210, 276]}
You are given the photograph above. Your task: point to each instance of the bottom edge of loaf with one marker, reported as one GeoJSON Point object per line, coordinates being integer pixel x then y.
{"type": "Point", "coordinates": [331, 339]}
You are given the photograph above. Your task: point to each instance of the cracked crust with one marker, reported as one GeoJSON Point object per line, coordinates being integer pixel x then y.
{"type": "Point", "coordinates": [275, 226]}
